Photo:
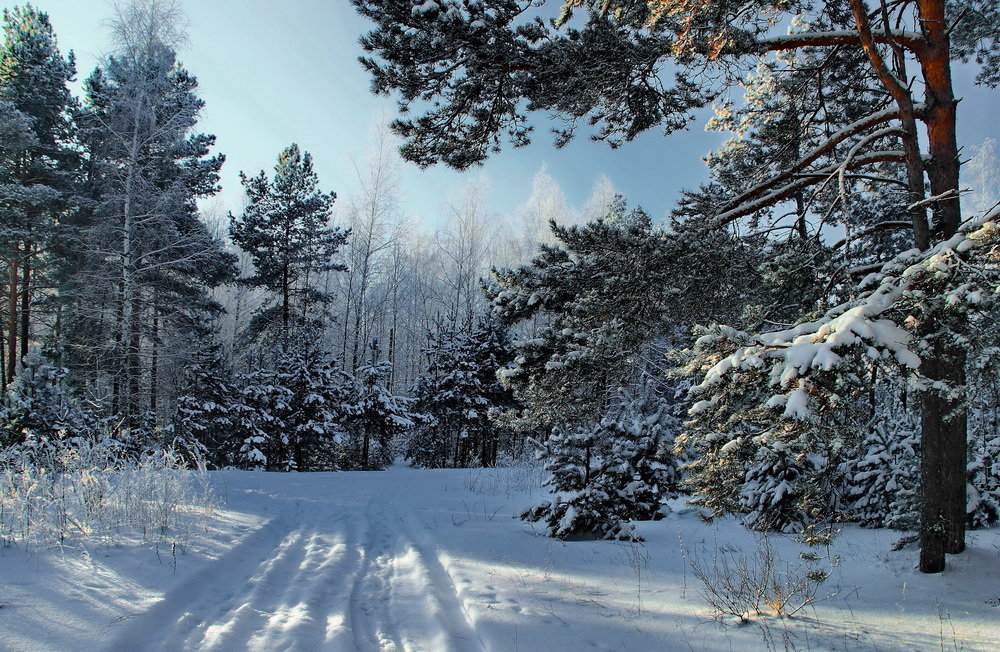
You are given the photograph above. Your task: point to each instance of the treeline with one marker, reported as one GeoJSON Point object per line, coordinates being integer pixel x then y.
{"type": "Point", "coordinates": [298, 333]}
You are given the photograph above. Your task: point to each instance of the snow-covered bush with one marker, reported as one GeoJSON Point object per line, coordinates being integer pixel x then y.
{"type": "Point", "coordinates": [77, 489]}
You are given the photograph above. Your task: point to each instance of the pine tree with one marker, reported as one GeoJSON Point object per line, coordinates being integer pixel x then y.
{"type": "Point", "coordinates": [145, 259]}
{"type": "Point", "coordinates": [285, 230]}
{"type": "Point", "coordinates": [37, 165]}
{"type": "Point", "coordinates": [605, 475]}
{"type": "Point", "coordinates": [570, 366]}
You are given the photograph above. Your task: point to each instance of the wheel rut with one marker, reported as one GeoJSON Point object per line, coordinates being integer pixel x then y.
{"type": "Point", "coordinates": [333, 577]}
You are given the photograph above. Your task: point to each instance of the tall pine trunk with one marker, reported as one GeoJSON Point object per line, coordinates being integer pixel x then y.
{"type": "Point", "coordinates": [944, 437]}
{"type": "Point", "coordinates": [26, 300]}
{"type": "Point", "coordinates": [12, 297]}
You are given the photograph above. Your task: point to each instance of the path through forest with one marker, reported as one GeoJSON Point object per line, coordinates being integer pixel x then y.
{"type": "Point", "coordinates": [332, 569]}
{"type": "Point", "coordinates": [418, 560]}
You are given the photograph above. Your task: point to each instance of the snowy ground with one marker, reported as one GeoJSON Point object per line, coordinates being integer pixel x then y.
{"type": "Point", "coordinates": [433, 560]}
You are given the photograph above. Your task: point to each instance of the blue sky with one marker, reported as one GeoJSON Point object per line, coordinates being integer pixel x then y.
{"type": "Point", "coordinates": [273, 73]}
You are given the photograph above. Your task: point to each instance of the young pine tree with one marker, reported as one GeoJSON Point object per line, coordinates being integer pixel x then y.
{"type": "Point", "coordinates": [605, 475]}
{"type": "Point", "coordinates": [285, 230]}
{"type": "Point", "coordinates": [40, 407]}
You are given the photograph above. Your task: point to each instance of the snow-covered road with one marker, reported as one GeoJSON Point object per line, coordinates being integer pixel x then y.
{"type": "Point", "coordinates": [409, 560]}
{"type": "Point", "coordinates": [322, 573]}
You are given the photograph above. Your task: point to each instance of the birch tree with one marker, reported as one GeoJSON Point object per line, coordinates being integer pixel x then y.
{"type": "Point", "coordinates": [144, 257]}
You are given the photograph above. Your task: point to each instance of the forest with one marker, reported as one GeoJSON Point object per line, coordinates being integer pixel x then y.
{"type": "Point", "coordinates": [807, 340]}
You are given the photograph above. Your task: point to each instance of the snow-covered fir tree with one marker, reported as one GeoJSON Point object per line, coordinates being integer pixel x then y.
{"type": "Point", "coordinates": [293, 411]}
{"type": "Point", "coordinates": [207, 409]}
{"type": "Point", "coordinates": [882, 476]}
{"type": "Point", "coordinates": [456, 396]}
{"type": "Point", "coordinates": [40, 407]}
{"type": "Point", "coordinates": [603, 476]}
{"type": "Point", "coordinates": [444, 398]}
{"type": "Point", "coordinates": [377, 416]}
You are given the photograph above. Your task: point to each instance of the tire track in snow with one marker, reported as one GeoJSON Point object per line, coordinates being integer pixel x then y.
{"type": "Point", "coordinates": [403, 598]}
{"type": "Point", "coordinates": [334, 577]}
{"type": "Point", "coordinates": [461, 633]}
{"type": "Point", "coordinates": [277, 589]}
{"type": "Point", "coordinates": [177, 613]}
{"type": "Point", "coordinates": [371, 622]}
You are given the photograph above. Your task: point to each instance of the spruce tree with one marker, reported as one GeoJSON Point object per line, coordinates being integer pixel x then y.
{"type": "Point", "coordinates": [603, 476]}
{"type": "Point", "coordinates": [377, 416]}
{"type": "Point", "coordinates": [459, 399]}
{"type": "Point", "coordinates": [207, 410]}
{"type": "Point", "coordinates": [294, 412]}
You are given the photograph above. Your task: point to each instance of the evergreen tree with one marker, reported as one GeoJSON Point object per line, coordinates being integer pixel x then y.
{"type": "Point", "coordinates": [603, 476]}
{"type": "Point", "coordinates": [297, 408]}
{"type": "Point", "coordinates": [490, 349]}
{"type": "Point", "coordinates": [207, 410]}
{"type": "Point", "coordinates": [443, 401]}
{"type": "Point", "coordinates": [285, 230]}
{"type": "Point", "coordinates": [458, 398]}
{"type": "Point", "coordinates": [145, 257]}
{"type": "Point", "coordinates": [378, 417]}
{"type": "Point", "coordinates": [883, 478]}
{"type": "Point", "coordinates": [40, 407]}
{"type": "Point", "coordinates": [37, 165]}
{"type": "Point", "coordinates": [603, 293]}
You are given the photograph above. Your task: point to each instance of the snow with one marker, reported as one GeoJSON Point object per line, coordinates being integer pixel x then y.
{"type": "Point", "coordinates": [433, 560]}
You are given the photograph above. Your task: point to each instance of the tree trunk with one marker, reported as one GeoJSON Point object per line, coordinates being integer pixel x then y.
{"type": "Point", "coordinates": [25, 301]}
{"type": "Point", "coordinates": [12, 318]}
{"type": "Point", "coordinates": [364, 450]}
{"type": "Point", "coordinates": [134, 365]}
{"type": "Point", "coordinates": [944, 437]}
{"type": "Point", "coordinates": [286, 309]}
{"type": "Point", "coordinates": [943, 462]}
{"type": "Point", "coordinates": [3, 360]}
{"type": "Point", "coordinates": [154, 364]}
